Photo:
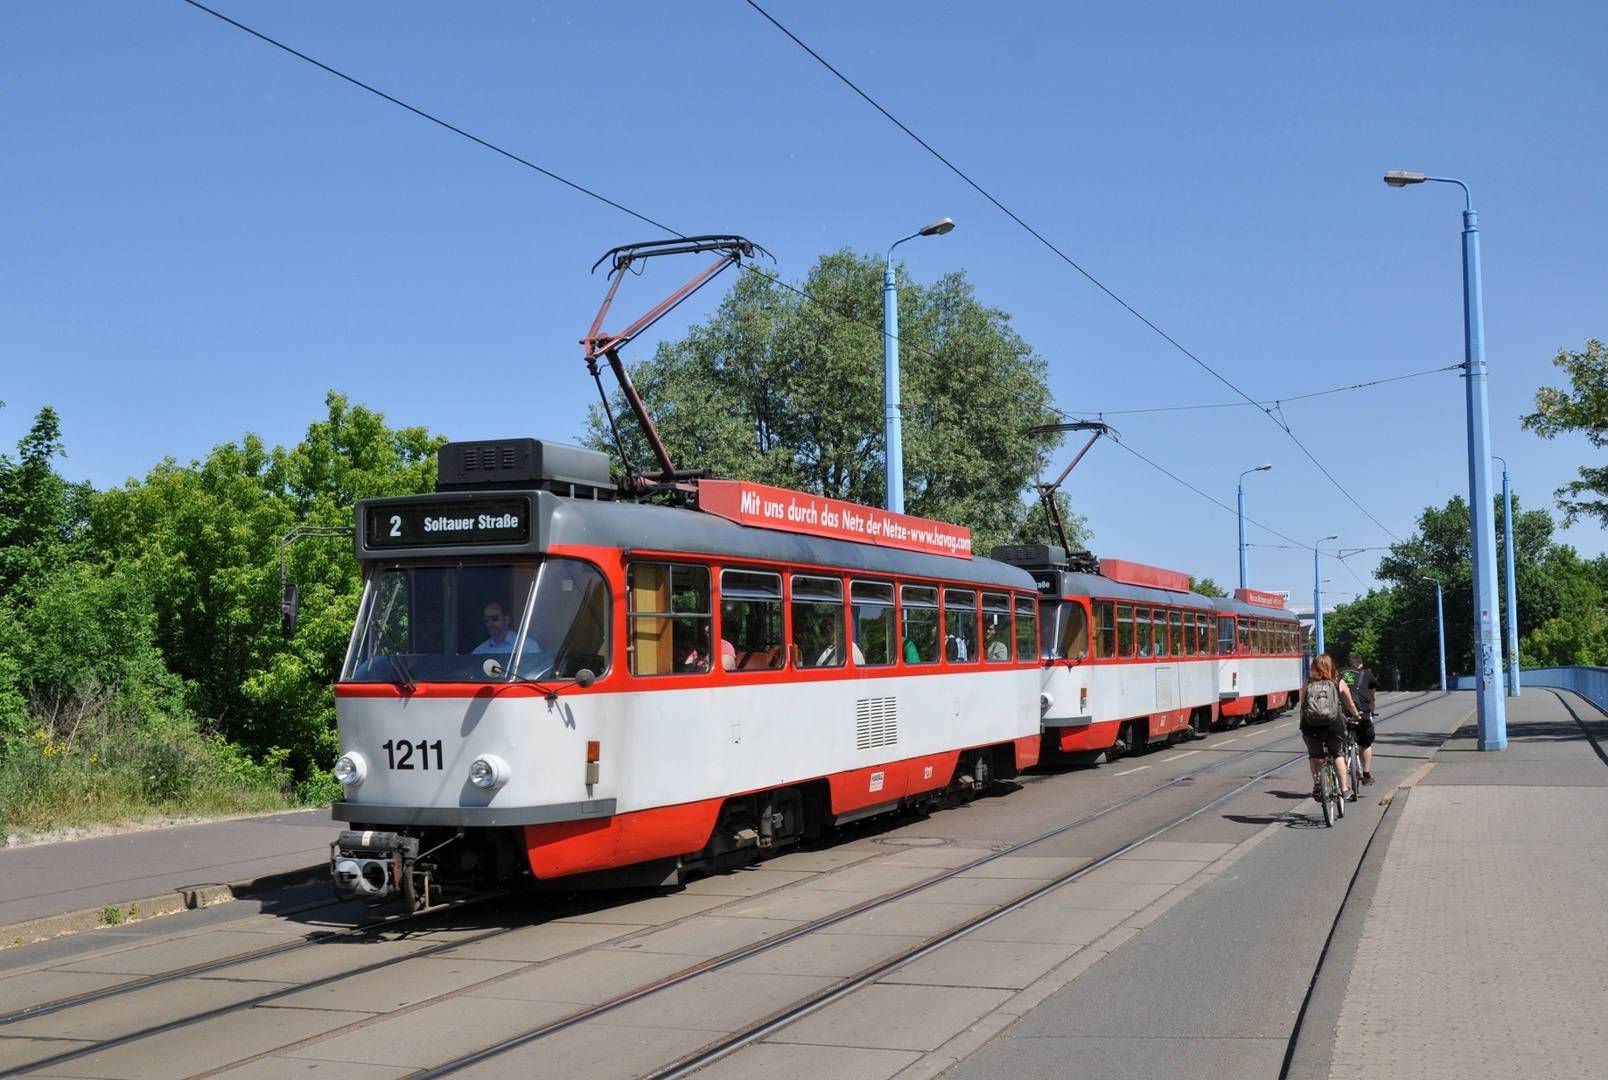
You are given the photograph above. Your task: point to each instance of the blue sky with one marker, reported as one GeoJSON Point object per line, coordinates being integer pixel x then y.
{"type": "Point", "coordinates": [200, 235]}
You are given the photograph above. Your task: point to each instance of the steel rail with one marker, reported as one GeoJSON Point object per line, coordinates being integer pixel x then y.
{"type": "Point", "coordinates": [795, 934]}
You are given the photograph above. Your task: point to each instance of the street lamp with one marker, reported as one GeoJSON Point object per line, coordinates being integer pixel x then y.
{"type": "Point", "coordinates": [1492, 708]}
{"type": "Point", "coordinates": [1317, 594]}
{"type": "Point", "coordinates": [1440, 626]}
{"type": "Point", "coordinates": [1245, 573]}
{"type": "Point", "coordinates": [892, 416]}
{"type": "Point", "coordinates": [1512, 587]}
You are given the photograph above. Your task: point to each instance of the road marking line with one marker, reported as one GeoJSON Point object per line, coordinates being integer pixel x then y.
{"type": "Point", "coordinates": [1125, 772]}
{"type": "Point", "coordinates": [1286, 724]}
{"type": "Point", "coordinates": [1186, 753]}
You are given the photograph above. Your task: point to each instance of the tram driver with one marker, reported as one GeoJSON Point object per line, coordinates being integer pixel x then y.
{"type": "Point", "coordinates": [500, 625]}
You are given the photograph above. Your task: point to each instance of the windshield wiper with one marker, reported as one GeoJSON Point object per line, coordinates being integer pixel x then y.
{"type": "Point", "coordinates": [398, 665]}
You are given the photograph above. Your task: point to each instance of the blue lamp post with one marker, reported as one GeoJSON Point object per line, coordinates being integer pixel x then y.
{"type": "Point", "coordinates": [1440, 627]}
{"type": "Point", "coordinates": [1487, 645]}
{"type": "Point", "coordinates": [1512, 587]}
{"type": "Point", "coordinates": [891, 409]}
{"type": "Point", "coordinates": [1245, 572]}
{"type": "Point", "coordinates": [1317, 594]}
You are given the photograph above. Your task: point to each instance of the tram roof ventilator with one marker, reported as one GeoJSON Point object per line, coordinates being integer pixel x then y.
{"type": "Point", "coordinates": [525, 465]}
{"type": "Point", "coordinates": [1046, 557]}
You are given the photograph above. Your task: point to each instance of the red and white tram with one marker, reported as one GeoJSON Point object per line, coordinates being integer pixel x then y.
{"type": "Point", "coordinates": [545, 680]}
{"type": "Point", "coordinates": [1133, 658]}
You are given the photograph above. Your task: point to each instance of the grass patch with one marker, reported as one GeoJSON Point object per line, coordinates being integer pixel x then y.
{"type": "Point", "coordinates": [117, 774]}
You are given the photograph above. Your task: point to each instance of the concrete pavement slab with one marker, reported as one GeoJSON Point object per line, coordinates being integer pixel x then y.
{"type": "Point", "coordinates": [720, 1001]}
{"type": "Point", "coordinates": [188, 951]}
{"type": "Point", "coordinates": [1026, 867]}
{"type": "Point", "coordinates": [653, 910]}
{"type": "Point", "coordinates": [890, 1017]}
{"type": "Point", "coordinates": [1068, 925]}
{"type": "Point", "coordinates": [186, 1052]}
{"type": "Point", "coordinates": [829, 954]}
{"type": "Point", "coordinates": [1094, 1058]}
{"type": "Point", "coordinates": [747, 881]}
{"type": "Point", "coordinates": [1146, 871]}
{"type": "Point", "coordinates": [544, 941]}
{"type": "Point", "coordinates": [432, 1034]}
{"type": "Point", "coordinates": [579, 1052]}
{"type": "Point", "coordinates": [799, 904]}
{"type": "Point", "coordinates": [922, 920]}
{"type": "Point", "coordinates": [973, 961]}
{"type": "Point", "coordinates": [708, 936]}
{"type": "Point", "coordinates": [398, 986]}
{"type": "Point", "coordinates": [588, 978]}
{"type": "Point", "coordinates": [25, 991]}
{"type": "Point", "coordinates": [142, 1010]}
{"type": "Point", "coordinates": [277, 1068]}
{"type": "Point", "coordinates": [780, 1061]}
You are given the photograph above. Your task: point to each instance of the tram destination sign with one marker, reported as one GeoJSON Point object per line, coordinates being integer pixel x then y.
{"type": "Point", "coordinates": [458, 523]}
{"type": "Point", "coordinates": [799, 512]}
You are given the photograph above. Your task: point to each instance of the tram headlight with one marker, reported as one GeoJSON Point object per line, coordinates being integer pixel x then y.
{"type": "Point", "coordinates": [488, 772]}
{"type": "Point", "coordinates": [351, 768]}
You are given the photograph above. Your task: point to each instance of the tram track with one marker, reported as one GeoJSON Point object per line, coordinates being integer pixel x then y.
{"type": "Point", "coordinates": [717, 963]}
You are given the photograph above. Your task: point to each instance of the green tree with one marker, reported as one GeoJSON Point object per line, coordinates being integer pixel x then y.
{"type": "Point", "coordinates": [1205, 586]}
{"type": "Point", "coordinates": [1583, 408]}
{"type": "Point", "coordinates": [787, 390]}
{"type": "Point", "coordinates": [1560, 598]}
{"type": "Point", "coordinates": [204, 537]}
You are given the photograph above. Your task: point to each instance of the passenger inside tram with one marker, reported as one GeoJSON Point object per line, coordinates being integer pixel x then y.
{"type": "Point", "coordinates": [751, 618]}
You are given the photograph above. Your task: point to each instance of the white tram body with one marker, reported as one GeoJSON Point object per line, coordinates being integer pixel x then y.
{"type": "Point", "coordinates": [671, 689]}
{"type": "Point", "coordinates": [1133, 658]}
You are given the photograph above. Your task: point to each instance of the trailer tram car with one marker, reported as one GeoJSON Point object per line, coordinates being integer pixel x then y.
{"type": "Point", "coordinates": [1132, 658]}
{"type": "Point", "coordinates": [546, 680]}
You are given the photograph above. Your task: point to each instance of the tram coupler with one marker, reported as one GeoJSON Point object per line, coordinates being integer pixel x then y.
{"type": "Point", "coordinates": [372, 866]}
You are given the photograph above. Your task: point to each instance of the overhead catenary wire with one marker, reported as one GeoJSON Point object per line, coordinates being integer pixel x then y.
{"type": "Point", "coordinates": [1041, 238]}
{"type": "Point", "coordinates": [770, 277]}
{"type": "Point", "coordinates": [1276, 402]}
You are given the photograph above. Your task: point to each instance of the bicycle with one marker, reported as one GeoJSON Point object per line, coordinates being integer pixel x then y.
{"type": "Point", "coordinates": [1353, 758]}
{"type": "Point", "coordinates": [1329, 793]}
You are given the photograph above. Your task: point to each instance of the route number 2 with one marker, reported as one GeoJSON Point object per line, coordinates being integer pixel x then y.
{"type": "Point", "coordinates": [396, 524]}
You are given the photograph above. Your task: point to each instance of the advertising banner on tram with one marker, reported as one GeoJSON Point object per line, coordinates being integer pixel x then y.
{"type": "Point", "coordinates": [796, 511]}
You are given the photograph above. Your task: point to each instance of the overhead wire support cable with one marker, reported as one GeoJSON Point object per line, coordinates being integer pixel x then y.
{"type": "Point", "coordinates": [434, 119]}
{"type": "Point", "coordinates": [1041, 238]}
{"type": "Point", "coordinates": [1275, 402]}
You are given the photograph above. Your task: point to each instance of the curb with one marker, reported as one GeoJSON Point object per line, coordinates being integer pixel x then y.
{"type": "Point", "coordinates": [187, 898]}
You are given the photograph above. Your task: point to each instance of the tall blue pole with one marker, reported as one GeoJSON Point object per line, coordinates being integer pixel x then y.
{"type": "Point", "coordinates": [892, 411]}
{"type": "Point", "coordinates": [1245, 569]}
{"type": "Point", "coordinates": [1317, 595]}
{"type": "Point", "coordinates": [1487, 644]}
{"type": "Point", "coordinates": [1317, 601]}
{"type": "Point", "coordinates": [1440, 630]}
{"type": "Point", "coordinates": [892, 416]}
{"type": "Point", "coordinates": [1510, 583]}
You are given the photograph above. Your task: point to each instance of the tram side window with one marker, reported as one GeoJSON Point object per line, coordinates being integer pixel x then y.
{"type": "Point", "coordinates": [1176, 620]}
{"type": "Point", "coordinates": [1105, 630]}
{"type": "Point", "coordinates": [670, 617]}
{"type": "Point", "coordinates": [960, 626]}
{"type": "Point", "coordinates": [922, 633]}
{"type": "Point", "coordinates": [1026, 630]}
{"type": "Point", "coordinates": [1189, 634]}
{"type": "Point", "coordinates": [751, 619]}
{"type": "Point", "coordinates": [1141, 624]}
{"type": "Point", "coordinates": [1261, 636]}
{"type": "Point", "coordinates": [1125, 630]}
{"type": "Point", "coordinates": [1245, 636]}
{"type": "Point", "coordinates": [1225, 635]}
{"type": "Point", "coordinates": [996, 627]}
{"type": "Point", "coordinates": [1208, 635]}
{"type": "Point", "coordinates": [818, 622]}
{"type": "Point", "coordinates": [876, 637]}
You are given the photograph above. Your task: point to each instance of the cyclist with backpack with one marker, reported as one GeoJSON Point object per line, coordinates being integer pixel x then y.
{"type": "Point", "coordinates": [1363, 684]}
{"type": "Point", "coordinates": [1325, 703]}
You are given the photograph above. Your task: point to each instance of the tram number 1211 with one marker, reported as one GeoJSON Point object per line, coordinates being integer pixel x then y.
{"type": "Point", "coordinates": [399, 754]}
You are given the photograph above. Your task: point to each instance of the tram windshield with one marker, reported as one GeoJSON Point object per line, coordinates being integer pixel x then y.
{"type": "Point", "coordinates": [538, 620]}
{"type": "Point", "coordinates": [1063, 631]}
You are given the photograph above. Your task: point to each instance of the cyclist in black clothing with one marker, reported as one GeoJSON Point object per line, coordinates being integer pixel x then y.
{"type": "Point", "coordinates": [1363, 685]}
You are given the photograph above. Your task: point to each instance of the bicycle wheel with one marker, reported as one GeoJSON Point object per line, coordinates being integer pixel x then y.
{"type": "Point", "coordinates": [1354, 768]}
{"type": "Point", "coordinates": [1339, 796]}
{"type": "Point", "coordinates": [1326, 785]}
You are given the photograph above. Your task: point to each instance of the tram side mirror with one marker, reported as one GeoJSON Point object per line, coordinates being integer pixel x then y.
{"type": "Point", "coordinates": [492, 668]}
{"type": "Point", "coordinates": [289, 606]}
{"type": "Point", "coordinates": [585, 678]}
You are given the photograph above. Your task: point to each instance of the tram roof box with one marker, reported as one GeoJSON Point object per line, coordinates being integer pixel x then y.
{"type": "Point", "coordinates": [524, 464]}
{"type": "Point", "coordinates": [1035, 556]}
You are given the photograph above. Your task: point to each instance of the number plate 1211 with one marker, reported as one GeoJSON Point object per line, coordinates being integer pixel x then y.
{"type": "Point", "coordinates": [399, 753]}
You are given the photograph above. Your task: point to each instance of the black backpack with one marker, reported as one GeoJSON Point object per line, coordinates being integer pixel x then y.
{"type": "Point", "coordinates": [1320, 704]}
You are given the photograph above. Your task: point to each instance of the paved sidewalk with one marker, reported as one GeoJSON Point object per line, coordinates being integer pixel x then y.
{"type": "Point", "coordinates": [1481, 954]}
{"type": "Point", "coordinates": [42, 880]}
